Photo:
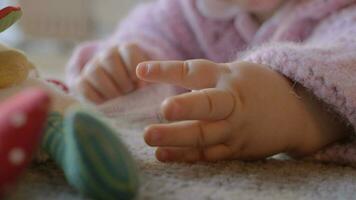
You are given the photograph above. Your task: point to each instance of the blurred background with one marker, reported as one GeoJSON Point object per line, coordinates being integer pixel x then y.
{"type": "Point", "coordinates": [50, 29]}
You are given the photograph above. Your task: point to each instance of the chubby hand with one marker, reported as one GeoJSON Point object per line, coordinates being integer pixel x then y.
{"type": "Point", "coordinates": [235, 111]}
{"type": "Point", "coordinates": [111, 73]}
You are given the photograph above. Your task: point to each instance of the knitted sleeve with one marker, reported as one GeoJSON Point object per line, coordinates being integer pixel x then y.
{"type": "Point", "coordinates": [160, 28]}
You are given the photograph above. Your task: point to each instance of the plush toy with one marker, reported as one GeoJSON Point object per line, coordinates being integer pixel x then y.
{"type": "Point", "coordinates": [91, 155]}
{"type": "Point", "coordinates": [22, 119]}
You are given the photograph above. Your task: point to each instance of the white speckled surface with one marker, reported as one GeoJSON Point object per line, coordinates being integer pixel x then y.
{"type": "Point", "coordinates": [231, 180]}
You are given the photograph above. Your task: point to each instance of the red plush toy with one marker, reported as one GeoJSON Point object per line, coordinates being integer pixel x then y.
{"type": "Point", "coordinates": [22, 119]}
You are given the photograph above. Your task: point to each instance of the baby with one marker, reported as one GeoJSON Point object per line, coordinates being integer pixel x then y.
{"type": "Point", "coordinates": [279, 76]}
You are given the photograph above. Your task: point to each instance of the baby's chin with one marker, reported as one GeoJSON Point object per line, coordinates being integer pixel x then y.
{"type": "Point", "coordinates": [260, 6]}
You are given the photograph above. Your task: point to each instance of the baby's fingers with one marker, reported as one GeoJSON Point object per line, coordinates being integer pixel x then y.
{"type": "Point", "coordinates": [112, 63]}
{"type": "Point", "coordinates": [211, 154]}
{"type": "Point", "coordinates": [191, 74]}
{"type": "Point", "coordinates": [101, 81]}
{"type": "Point", "coordinates": [208, 104]}
{"type": "Point", "coordinates": [87, 91]}
{"type": "Point", "coordinates": [195, 134]}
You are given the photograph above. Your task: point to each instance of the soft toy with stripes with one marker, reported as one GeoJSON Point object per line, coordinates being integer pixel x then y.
{"type": "Point", "coordinates": [93, 158]}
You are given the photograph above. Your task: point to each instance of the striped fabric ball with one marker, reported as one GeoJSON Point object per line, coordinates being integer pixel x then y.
{"type": "Point", "coordinates": [93, 158]}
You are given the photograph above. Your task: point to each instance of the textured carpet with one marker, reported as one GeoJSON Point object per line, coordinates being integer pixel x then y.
{"type": "Point", "coordinates": [270, 179]}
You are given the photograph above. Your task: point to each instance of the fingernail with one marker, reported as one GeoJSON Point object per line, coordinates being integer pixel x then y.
{"type": "Point", "coordinates": [144, 69]}
{"type": "Point", "coordinates": [155, 138]}
{"type": "Point", "coordinates": [163, 155]}
{"type": "Point", "coordinates": [174, 110]}
{"type": "Point", "coordinates": [141, 69]}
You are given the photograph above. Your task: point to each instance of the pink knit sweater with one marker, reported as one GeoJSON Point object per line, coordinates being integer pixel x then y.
{"type": "Point", "coordinates": [311, 42]}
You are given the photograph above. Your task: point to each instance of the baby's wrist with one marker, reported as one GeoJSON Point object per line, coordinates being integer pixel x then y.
{"type": "Point", "coordinates": [328, 126]}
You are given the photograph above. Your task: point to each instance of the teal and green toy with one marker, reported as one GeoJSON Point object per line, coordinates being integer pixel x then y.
{"type": "Point", "coordinates": [92, 157]}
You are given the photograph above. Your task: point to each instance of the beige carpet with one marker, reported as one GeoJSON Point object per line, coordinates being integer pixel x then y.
{"type": "Point", "coordinates": [272, 179]}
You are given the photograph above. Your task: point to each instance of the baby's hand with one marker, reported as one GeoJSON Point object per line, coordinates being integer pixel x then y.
{"type": "Point", "coordinates": [111, 73]}
{"type": "Point", "coordinates": [235, 111]}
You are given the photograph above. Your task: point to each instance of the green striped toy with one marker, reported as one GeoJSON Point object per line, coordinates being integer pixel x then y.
{"type": "Point", "coordinates": [92, 157]}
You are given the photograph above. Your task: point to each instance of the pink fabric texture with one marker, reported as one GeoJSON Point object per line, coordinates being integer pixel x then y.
{"type": "Point", "coordinates": [311, 42]}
